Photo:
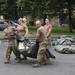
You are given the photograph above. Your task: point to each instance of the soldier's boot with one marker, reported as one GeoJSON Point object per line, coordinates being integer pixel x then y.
{"type": "Point", "coordinates": [47, 59]}
{"type": "Point", "coordinates": [15, 58]}
{"type": "Point", "coordinates": [18, 60]}
{"type": "Point", "coordinates": [24, 58]}
{"type": "Point", "coordinates": [36, 65]}
{"type": "Point", "coordinates": [45, 62]}
{"type": "Point", "coordinates": [7, 62]}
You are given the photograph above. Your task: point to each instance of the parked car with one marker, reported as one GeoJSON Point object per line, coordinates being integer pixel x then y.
{"type": "Point", "coordinates": [12, 23]}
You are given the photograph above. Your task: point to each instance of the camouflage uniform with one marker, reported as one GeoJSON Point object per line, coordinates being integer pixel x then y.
{"type": "Point", "coordinates": [21, 29]}
{"type": "Point", "coordinates": [41, 56]}
{"type": "Point", "coordinates": [10, 46]}
{"type": "Point", "coordinates": [47, 27]}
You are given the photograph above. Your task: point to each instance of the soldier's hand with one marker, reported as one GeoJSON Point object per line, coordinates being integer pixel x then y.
{"type": "Point", "coordinates": [13, 29]}
{"type": "Point", "coordinates": [15, 37]}
{"type": "Point", "coordinates": [12, 37]}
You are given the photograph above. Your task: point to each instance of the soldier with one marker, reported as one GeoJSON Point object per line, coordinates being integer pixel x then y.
{"type": "Point", "coordinates": [22, 29]}
{"type": "Point", "coordinates": [41, 38]}
{"type": "Point", "coordinates": [48, 28]}
{"type": "Point", "coordinates": [8, 35]}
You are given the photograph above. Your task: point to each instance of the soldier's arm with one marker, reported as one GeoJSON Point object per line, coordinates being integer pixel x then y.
{"type": "Point", "coordinates": [13, 37]}
{"type": "Point", "coordinates": [9, 37]}
{"type": "Point", "coordinates": [26, 32]}
{"type": "Point", "coordinates": [37, 35]}
{"type": "Point", "coordinates": [5, 36]}
{"type": "Point", "coordinates": [49, 32]}
{"type": "Point", "coordinates": [16, 30]}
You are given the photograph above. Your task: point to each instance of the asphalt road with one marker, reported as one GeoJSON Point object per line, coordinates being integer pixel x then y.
{"type": "Point", "coordinates": [64, 64]}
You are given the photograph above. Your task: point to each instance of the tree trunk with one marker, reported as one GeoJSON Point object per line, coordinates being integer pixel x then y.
{"type": "Point", "coordinates": [70, 14]}
{"type": "Point", "coordinates": [45, 16]}
{"type": "Point", "coordinates": [15, 13]}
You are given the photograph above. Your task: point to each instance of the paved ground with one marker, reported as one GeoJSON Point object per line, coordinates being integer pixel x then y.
{"type": "Point", "coordinates": [64, 64]}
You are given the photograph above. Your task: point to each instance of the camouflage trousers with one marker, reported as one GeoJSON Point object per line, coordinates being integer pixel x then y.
{"type": "Point", "coordinates": [9, 50]}
{"type": "Point", "coordinates": [41, 55]}
{"type": "Point", "coordinates": [49, 41]}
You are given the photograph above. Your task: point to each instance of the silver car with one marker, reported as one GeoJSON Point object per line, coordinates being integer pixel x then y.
{"type": "Point", "coordinates": [12, 23]}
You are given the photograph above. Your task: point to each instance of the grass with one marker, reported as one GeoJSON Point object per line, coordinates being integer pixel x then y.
{"type": "Point", "coordinates": [57, 31]}
{"type": "Point", "coordinates": [32, 29]}
{"type": "Point", "coordinates": [62, 31]}
{"type": "Point", "coordinates": [1, 33]}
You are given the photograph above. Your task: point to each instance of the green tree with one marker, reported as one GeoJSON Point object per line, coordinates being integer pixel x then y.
{"type": "Point", "coordinates": [2, 7]}
{"type": "Point", "coordinates": [35, 6]}
{"type": "Point", "coordinates": [44, 7]}
{"type": "Point", "coordinates": [8, 8]}
{"type": "Point", "coordinates": [60, 5]}
{"type": "Point", "coordinates": [11, 9]}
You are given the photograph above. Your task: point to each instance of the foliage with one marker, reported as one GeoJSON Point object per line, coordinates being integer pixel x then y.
{"type": "Point", "coordinates": [33, 7]}
{"type": "Point", "coordinates": [7, 8]}
{"type": "Point", "coordinates": [3, 7]}
{"type": "Point", "coordinates": [73, 21]}
{"type": "Point", "coordinates": [42, 7]}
